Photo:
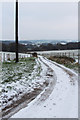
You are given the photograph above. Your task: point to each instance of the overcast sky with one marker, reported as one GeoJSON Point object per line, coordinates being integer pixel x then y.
{"type": "Point", "coordinates": [41, 21]}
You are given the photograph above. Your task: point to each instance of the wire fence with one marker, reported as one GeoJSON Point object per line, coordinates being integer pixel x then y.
{"type": "Point", "coordinates": [6, 56]}
{"type": "Point", "coordinates": [75, 54]}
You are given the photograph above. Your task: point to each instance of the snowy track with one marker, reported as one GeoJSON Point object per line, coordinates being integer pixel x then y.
{"type": "Point", "coordinates": [62, 102]}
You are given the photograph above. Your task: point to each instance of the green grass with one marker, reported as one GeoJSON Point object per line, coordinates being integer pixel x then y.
{"type": "Point", "coordinates": [17, 77]}
{"type": "Point", "coordinates": [12, 72]}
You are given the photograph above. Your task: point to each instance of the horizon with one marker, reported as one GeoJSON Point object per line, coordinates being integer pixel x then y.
{"type": "Point", "coordinates": [44, 40]}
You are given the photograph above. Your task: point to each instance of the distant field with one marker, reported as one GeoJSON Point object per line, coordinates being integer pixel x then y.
{"type": "Point", "coordinates": [68, 53]}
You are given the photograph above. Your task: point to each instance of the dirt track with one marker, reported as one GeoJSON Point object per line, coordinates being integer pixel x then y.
{"type": "Point", "coordinates": [62, 101]}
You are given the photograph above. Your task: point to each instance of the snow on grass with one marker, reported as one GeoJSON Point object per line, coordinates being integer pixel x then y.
{"type": "Point", "coordinates": [18, 78]}
{"type": "Point", "coordinates": [22, 79]}
{"type": "Point", "coordinates": [63, 101]}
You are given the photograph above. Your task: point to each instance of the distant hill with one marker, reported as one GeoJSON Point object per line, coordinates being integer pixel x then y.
{"type": "Point", "coordinates": [47, 41]}
{"type": "Point", "coordinates": [25, 42]}
{"type": "Point", "coordinates": [39, 47]}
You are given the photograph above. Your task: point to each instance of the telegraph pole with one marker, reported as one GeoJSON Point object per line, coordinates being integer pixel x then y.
{"type": "Point", "coordinates": [16, 31]}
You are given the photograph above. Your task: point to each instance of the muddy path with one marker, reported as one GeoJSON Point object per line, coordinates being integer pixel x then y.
{"type": "Point", "coordinates": [48, 90]}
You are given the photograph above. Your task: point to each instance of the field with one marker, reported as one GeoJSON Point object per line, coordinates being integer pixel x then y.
{"type": "Point", "coordinates": [18, 78]}
{"type": "Point", "coordinates": [22, 82]}
{"type": "Point", "coordinates": [69, 53]}
{"type": "Point", "coordinates": [35, 79]}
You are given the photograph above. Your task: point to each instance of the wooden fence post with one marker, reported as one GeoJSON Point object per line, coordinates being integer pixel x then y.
{"type": "Point", "coordinates": [73, 55]}
{"type": "Point", "coordinates": [69, 54]}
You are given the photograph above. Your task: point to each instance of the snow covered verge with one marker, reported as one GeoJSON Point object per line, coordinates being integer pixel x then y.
{"type": "Point", "coordinates": [63, 100]}
{"type": "Point", "coordinates": [20, 89]}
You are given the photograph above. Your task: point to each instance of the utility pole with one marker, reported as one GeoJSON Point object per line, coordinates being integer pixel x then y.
{"type": "Point", "coordinates": [16, 31]}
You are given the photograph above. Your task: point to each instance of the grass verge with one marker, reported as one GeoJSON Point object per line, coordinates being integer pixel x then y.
{"type": "Point", "coordinates": [11, 71]}
{"type": "Point", "coordinates": [66, 61]}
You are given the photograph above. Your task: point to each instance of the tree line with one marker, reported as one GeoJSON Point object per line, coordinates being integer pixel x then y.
{"type": "Point", "coordinates": [43, 47]}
